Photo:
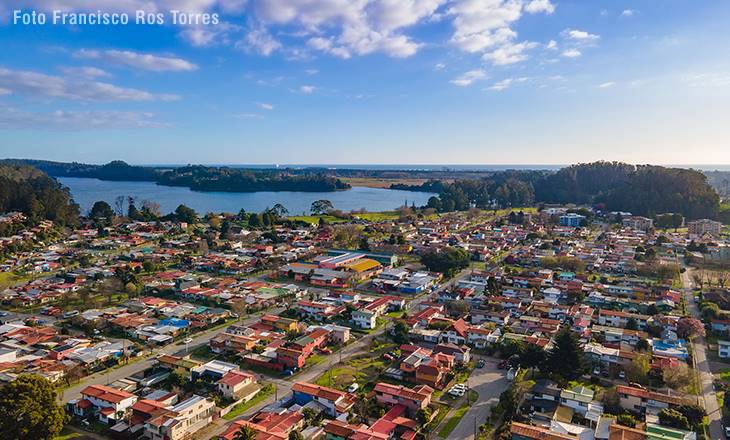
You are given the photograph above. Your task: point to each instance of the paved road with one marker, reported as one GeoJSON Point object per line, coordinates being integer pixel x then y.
{"type": "Point", "coordinates": [283, 386]}
{"type": "Point", "coordinates": [708, 395]}
{"type": "Point", "coordinates": [489, 382]}
{"type": "Point", "coordinates": [109, 376]}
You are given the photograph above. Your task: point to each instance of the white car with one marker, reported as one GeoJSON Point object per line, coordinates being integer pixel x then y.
{"type": "Point", "coordinates": [188, 340]}
{"type": "Point", "coordinates": [457, 392]}
{"type": "Point", "coordinates": [352, 388]}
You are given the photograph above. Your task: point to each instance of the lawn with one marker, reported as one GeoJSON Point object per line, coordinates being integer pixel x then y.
{"type": "Point", "coordinates": [67, 434]}
{"type": "Point", "coordinates": [378, 216]}
{"type": "Point", "coordinates": [314, 219]}
{"type": "Point", "coordinates": [724, 375]}
{"type": "Point", "coordinates": [454, 420]}
{"type": "Point", "coordinates": [361, 369]}
{"type": "Point", "coordinates": [241, 408]}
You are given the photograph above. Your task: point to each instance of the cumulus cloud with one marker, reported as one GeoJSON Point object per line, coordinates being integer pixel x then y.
{"type": "Point", "coordinates": [537, 6]}
{"type": "Point", "coordinates": [510, 53]}
{"type": "Point", "coordinates": [552, 45]}
{"type": "Point", "coordinates": [86, 72]}
{"type": "Point", "coordinates": [578, 35]}
{"type": "Point", "coordinates": [628, 13]}
{"type": "Point", "coordinates": [138, 60]}
{"type": "Point", "coordinates": [439, 66]}
{"type": "Point", "coordinates": [571, 53]}
{"type": "Point", "coordinates": [467, 78]}
{"type": "Point", "coordinates": [12, 118]}
{"type": "Point", "coordinates": [265, 106]}
{"type": "Point", "coordinates": [501, 85]}
{"type": "Point", "coordinates": [307, 90]}
{"type": "Point", "coordinates": [81, 89]}
{"type": "Point", "coordinates": [260, 41]}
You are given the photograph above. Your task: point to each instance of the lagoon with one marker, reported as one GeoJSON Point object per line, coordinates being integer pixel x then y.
{"type": "Point", "coordinates": [86, 191]}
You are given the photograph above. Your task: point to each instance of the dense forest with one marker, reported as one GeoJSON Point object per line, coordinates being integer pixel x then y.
{"type": "Point", "coordinates": [642, 190]}
{"type": "Point", "coordinates": [196, 177]}
{"type": "Point", "coordinates": [116, 170]}
{"type": "Point", "coordinates": [32, 192]}
{"type": "Point", "coordinates": [202, 178]}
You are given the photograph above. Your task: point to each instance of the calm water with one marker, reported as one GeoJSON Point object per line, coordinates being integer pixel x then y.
{"type": "Point", "coordinates": [87, 191]}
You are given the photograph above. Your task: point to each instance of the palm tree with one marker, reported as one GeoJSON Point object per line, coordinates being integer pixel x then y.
{"type": "Point", "coordinates": [246, 433]}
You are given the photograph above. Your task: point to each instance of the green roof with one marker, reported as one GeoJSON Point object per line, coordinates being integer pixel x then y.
{"type": "Point", "coordinates": [658, 432]}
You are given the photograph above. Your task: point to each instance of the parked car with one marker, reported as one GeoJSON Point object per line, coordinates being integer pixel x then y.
{"type": "Point", "coordinates": [621, 375]}
{"type": "Point", "coordinates": [457, 392]}
{"type": "Point", "coordinates": [727, 432]}
{"type": "Point", "coordinates": [481, 363]}
{"type": "Point", "coordinates": [388, 357]}
{"type": "Point", "coordinates": [352, 388]}
{"type": "Point", "coordinates": [70, 314]}
{"type": "Point", "coordinates": [188, 340]}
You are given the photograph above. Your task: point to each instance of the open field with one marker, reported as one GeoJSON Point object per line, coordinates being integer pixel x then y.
{"type": "Point", "coordinates": [372, 182]}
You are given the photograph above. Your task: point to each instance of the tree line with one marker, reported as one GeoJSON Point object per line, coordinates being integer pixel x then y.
{"type": "Point", "coordinates": [32, 192]}
{"type": "Point", "coordinates": [646, 190]}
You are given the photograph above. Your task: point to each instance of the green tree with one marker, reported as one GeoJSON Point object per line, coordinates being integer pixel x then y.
{"type": "Point", "coordinates": [566, 358]}
{"type": "Point", "coordinates": [320, 207]}
{"type": "Point", "coordinates": [632, 324]}
{"type": "Point", "coordinates": [29, 409]}
{"type": "Point", "coordinates": [101, 211]}
{"type": "Point", "coordinates": [448, 261]}
{"type": "Point", "coordinates": [533, 356]}
{"type": "Point", "coordinates": [296, 435]}
{"type": "Point", "coordinates": [186, 214]}
{"type": "Point", "coordinates": [246, 433]}
{"type": "Point", "coordinates": [673, 419]}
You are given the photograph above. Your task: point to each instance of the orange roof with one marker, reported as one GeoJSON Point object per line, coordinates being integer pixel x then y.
{"type": "Point", "coordinates": [537, 432]}
{"type": "Point", "coordinates": [234, 377]}
{"type": "Point", "coordinates": [651, 395]}
{"type": "Point", "coordinates": [105, 393]}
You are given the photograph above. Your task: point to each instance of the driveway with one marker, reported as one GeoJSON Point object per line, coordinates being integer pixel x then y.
{"type": "Point", "coordinates": [489, 382]}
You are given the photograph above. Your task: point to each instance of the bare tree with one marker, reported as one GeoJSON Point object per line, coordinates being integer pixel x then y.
{"type": "Point", "coordinates": [119, 205]}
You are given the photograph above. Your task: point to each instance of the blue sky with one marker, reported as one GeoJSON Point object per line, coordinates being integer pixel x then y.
{"type": "Point", "coordinates": [371, 81]}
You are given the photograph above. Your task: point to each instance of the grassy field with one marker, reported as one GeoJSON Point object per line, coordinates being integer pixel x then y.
{"type": "Point", "coordinates": [9, 279]}
{"type": "Point", "coordinates": [241, 408]}
{"type": "Point", "coordinates": [454, 420]}
{"type": "Point", "coordinates": [314, 219]}
{"type": "Point", "coordinates": [372, 182]}
{"type": "Point", "coordinates": [361, 369]}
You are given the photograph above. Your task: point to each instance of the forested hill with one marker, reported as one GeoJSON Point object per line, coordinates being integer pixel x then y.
{"type": "Point", "coordinates": [642, 190]}
{"type": "Point", "coordinates": [116, 170]}
{"type": "Point", "coordinates": [195, 177]}
{"type": "Point", "coordinates": [35, 194]}
{"type": "Point", "coordinates": [202, 178]}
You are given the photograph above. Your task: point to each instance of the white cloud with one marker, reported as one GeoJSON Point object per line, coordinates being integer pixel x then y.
{"type": "Point", "coordinates": [510, 53]}
{"type": "Point", "coordinates": [707, 80]}
{"type": "Point", "coordinates": [571, 53]}
{"type": "Point", "coordinates": [311, 71]}
{"type": "Point", "coordinates": [138, 60]}
{"type": "Point", "coordinates": [5, 92]}
{"type": "Point", "coordinates": [307, 90]}
{"type": "Point", "coordinates": [260, 41]}
{"type": "Point", "coordinates": [12, 118]}
{"type": "Point", "coordinates": [81, 89]}
{"type": "Point", "coordinates": [204, 36]}
{"type": "Point", "coordinates": [628, 12]}
{"type": "Point", "coordinates": [248, 116]}
{"type": "Point", "coordinates": [467, 78]}
{"type": "Point", "coordinates": [501, 85]}
{"type": "Point", "coordinates": [552, 45]}
{"type": "Point", "coordinates": [537, 6]}
{"type": "Point", "coordinates": [606, 85]}
{"type": "Point", "coordinates": [265, 106]}
{"type": "Point", "coordinates": [578, 35]}
{"type": "Point", "coordinates": [439, 66]}
{"type": "Point", "coordinates": [86, 72]}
